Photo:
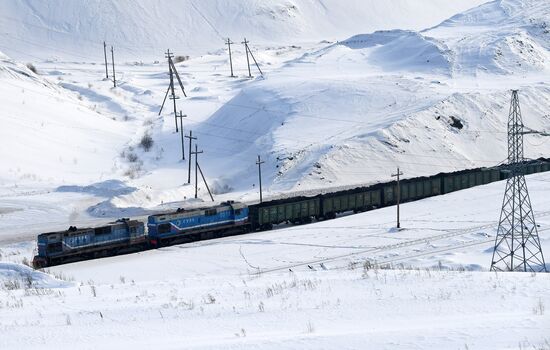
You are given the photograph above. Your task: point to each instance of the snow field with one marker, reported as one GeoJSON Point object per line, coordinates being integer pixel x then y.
{"type": "Point", "coordinates": [332, 309]}
{"type": "Point", "coordinates": [325, 114]}
{"type": "Point", "coordinates": [258, 290]}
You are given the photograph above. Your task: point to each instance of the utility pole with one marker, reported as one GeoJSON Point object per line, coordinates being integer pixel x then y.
{"type": "Point", "coordinates": [228, 43]}
{"type": "Point", "coordinates": [191, 138]}
{"type": "Point", "coordinates": [172, 71]}
{"type": "Point", "coordinates": [105, 55]}
{"type": "Point", "coordinates": [196, 153]}
{"type": "Point", "coordinates": [173, 96]}
{"type": "Point", "coordinates": [259, 162]}
{"type": "Point", "coordinates": [205, 183]}
{"type": "Point", "coordinates": [113, 57]}
{"type": "Point", "coordinates": [517, 244]}
{"type": "Point", "coordinates": [247, 48]}
{"type": "Point", "coordinates": [245, 42]}
{"type": "Point", "coordinates": [181, 116]}
{"type": "Point", "coordinates": [399, 173]}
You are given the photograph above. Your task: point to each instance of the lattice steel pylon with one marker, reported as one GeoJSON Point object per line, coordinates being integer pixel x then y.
{"type": "Point", "coordinates": [517, 244]}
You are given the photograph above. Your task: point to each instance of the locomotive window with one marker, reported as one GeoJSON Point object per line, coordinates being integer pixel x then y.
{"type": "Point", "coordinates": [55, 247]}
{"type": "Point", "coordinates": [164, 228]}
{"type": "Point", "coordinates": [238, 211]}
{"type": "Point", "coordinates": [102, 230]}
{"type": "Point", "coordinates": [210, 212]}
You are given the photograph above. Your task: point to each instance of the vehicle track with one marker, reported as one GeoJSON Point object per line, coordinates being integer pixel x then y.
{"type": "Point", "coordinates": [390, 247]}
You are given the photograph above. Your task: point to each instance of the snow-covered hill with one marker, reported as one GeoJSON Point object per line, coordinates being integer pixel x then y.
{"type": "Point", "coordinates": [351, 111]}
{"type": "Point", "coordinates": [49, 135]}
{"type": "Point", "coordinates": [323, 115]}
{"type": "Point", "coordinates": [144, 29]}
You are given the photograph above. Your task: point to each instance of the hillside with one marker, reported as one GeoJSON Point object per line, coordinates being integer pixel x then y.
{"type": "Point", "coordinates": [323, 115]}
{"type": "Point", "coordinates": [143, 29]}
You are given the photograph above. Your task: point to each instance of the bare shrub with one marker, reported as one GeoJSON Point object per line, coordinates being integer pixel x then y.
{"type": "Point", "coordinates": [132, 157]}
{"type": "Point", "coordinates": [59, 275]}
{"type": "Point", "coordinates": [12, 284]}
{"type": "Point", "coordinates": [38, 291]}
{"type": "Point", "coordinates": [188, 306]}
{"type": "Point", "coordinates": [209, 299]}
{"type": "Point", "coordinates": [352, 265]}
{"type": "Point", "coordinates": [146, 142]}
{"type": "Point", "coordinates": [309, 327]}
{"type": "Point", "coordinates": [32, 68]}
{"type": "Point", "coordinates": [179, 59]}
{"type": "Point", "coordinates": [539, 308]}
{"type": "Point", "coordinates": [133, 171]}
{"type": "Point", "coordinates": [28, 280]}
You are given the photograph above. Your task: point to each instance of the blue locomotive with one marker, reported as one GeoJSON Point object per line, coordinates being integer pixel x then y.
{"type": "Point", "coordinates": [125, 236]}
{"type": "Point", "coordinates": [194, 224]}
{"type": "Point", "coordinates": [119, 237]}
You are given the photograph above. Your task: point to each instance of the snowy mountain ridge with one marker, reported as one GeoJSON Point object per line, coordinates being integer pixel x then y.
{"type": "Point", "coordinates": [322, 115]}
{"type": "Point", "coordinates": [144, 29]}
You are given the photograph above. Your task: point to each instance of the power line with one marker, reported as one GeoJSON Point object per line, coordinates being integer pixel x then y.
{"type": "Point", "coordinates": [517, 245]}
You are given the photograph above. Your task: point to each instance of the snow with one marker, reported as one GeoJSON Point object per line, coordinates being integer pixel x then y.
{"type": "Point", "coordinates": [257, 290]}
{"type": "Point", "coordinates": [324, 114]}
{"type": "Point", "coordinates": [345, 98]}
{"type": "Point", "coordinates": [145, 29]}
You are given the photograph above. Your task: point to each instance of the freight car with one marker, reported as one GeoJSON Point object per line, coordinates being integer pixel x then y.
{"type": "Point", "coordinates": [295, 210]}
{"type": "Point", "coordinates": [122, 236]}
{"type": "Point", "coordinates": [196, 224]}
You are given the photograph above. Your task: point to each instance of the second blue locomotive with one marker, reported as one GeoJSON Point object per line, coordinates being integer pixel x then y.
{"type": "Point", "coordinates": [203, 223]}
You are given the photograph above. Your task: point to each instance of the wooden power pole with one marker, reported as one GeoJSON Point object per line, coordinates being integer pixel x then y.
{"type": "Point", "coordinates": [196, 153]}
{"type": "Point", "coordinates": [259, 162]}
{"type": "Point", "coordinates": [228, 43]}
{"type": "Point", "coordinates": [181, 116]}
{"type": "Point", "coordinates": [191, 138]}
{"type": "Point", "coordinates": [245, 42]}
{"type": "Point", "coordinates": [205, 183]}
{"type": "Point", "coordinates": [247, 49]}
{"type": "Point", "coordinates": [398, 194]}
{"type": "Point", "coordinates": [105, 55]}
{"type": "Point", "coordinates": [113, 58]}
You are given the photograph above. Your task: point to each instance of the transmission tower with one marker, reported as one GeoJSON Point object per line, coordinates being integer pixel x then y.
{"type": "Point", "coordinates": [517, 245]}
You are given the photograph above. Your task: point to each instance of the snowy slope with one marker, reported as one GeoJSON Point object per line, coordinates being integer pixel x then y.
{"type": "Point", "coordinates": [323, 115]}
{"type": "Point", "coordinates": [500, 37]}
{"type": "Point", "coordinates": [352, 111]}
{"type": "Point", "coordinates": [238, 292]}
{"type": "Point", "coordinates": [141, 30]}
{"type": "Point", "coordinates": [48, 134]}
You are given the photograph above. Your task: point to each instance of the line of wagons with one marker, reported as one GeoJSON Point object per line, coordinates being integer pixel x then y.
{"type": "Point", "coordinates": [230, 218]}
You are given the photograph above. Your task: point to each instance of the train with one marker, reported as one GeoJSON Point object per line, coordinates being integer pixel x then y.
{"type": "Point", "coordinates": [230, 218]}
